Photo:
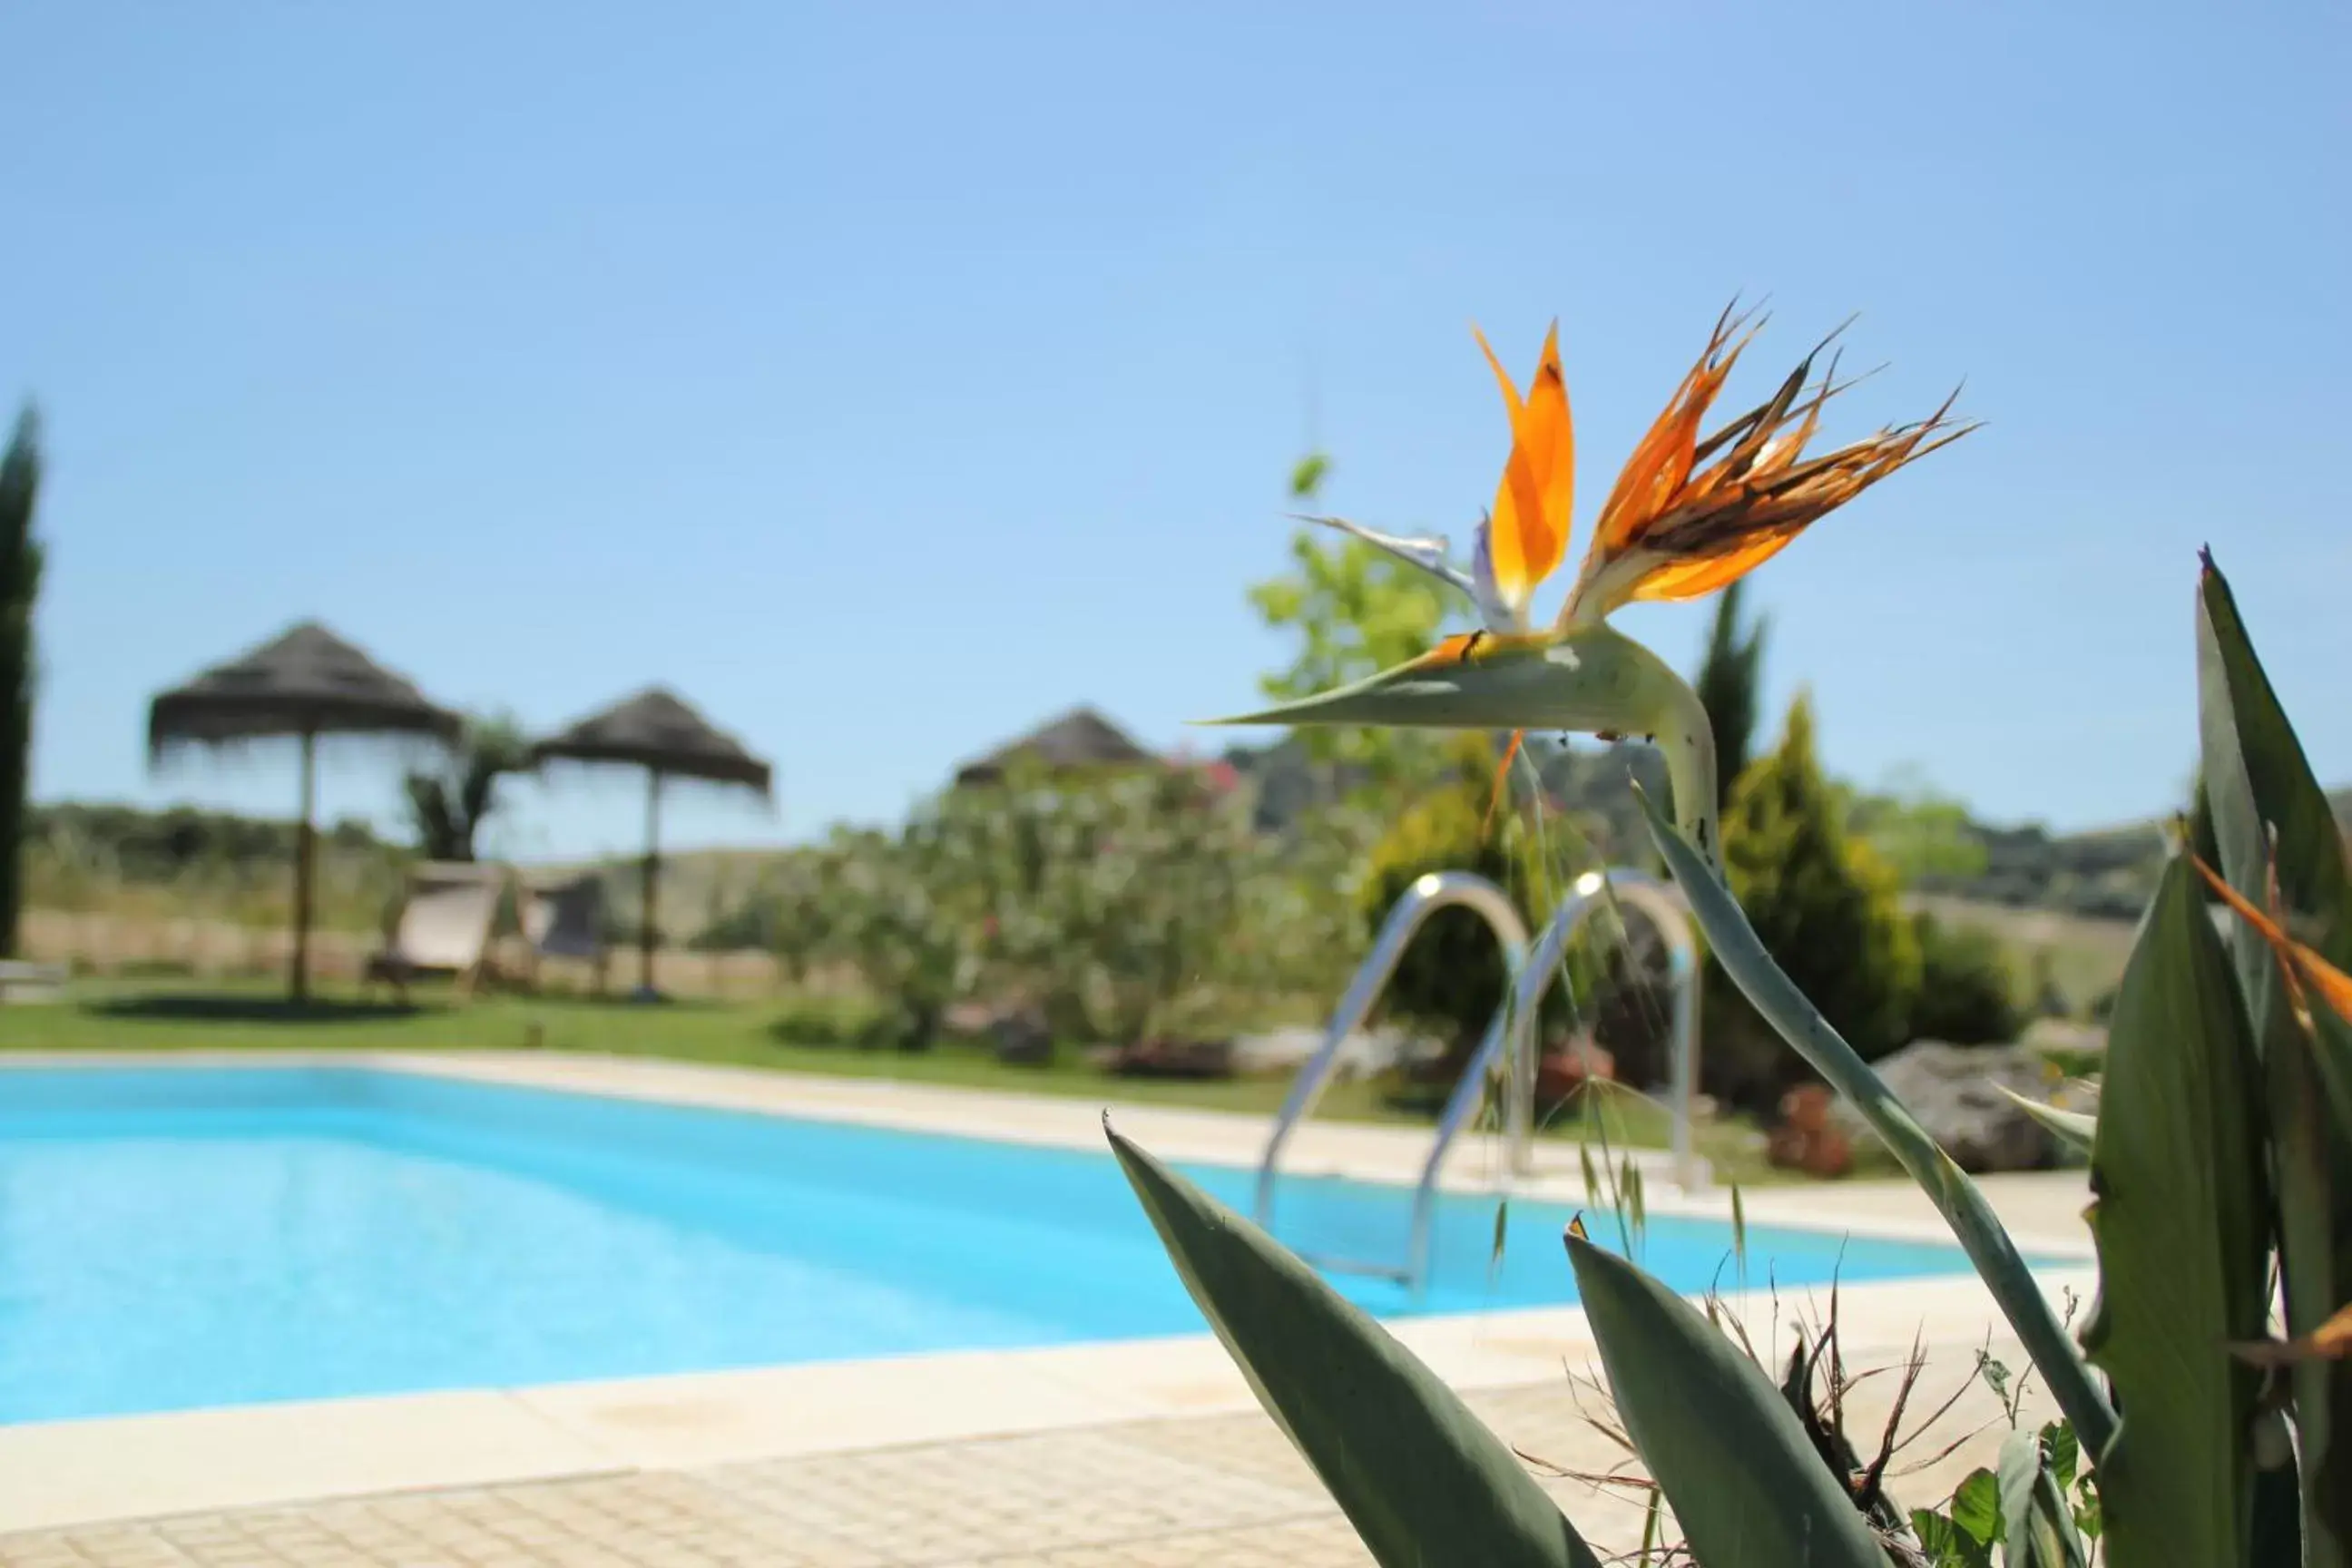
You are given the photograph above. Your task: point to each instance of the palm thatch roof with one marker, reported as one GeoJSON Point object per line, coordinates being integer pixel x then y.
{"type": "Point", "coordinates": [659, 731]}
{"type": "Point", "coordinates": [1082, 738]}
{"type": "Point", "coordinates": [305, 681]}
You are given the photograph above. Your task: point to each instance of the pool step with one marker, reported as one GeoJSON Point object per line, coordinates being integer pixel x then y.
{"type": "Point", "coordinates": [1338, 1265]}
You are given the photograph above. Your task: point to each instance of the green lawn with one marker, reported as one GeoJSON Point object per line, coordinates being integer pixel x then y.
{"type": "Point", "coordinates": [179, 1015]}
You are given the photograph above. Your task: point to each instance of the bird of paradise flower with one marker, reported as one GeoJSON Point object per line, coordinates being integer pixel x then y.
{"type": "Point", "coordinates": [1687, 516]}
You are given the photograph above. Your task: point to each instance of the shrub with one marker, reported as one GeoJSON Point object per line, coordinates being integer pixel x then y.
{"type": "Point", "coordinates": [1968, 994]}
{"type": "Point", "coordinates": [893, 922]}
{"type": "Point", "coordinates": [1120, 904]}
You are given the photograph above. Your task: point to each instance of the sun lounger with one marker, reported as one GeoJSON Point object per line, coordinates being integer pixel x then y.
{"type": "Point", "coordinates": [563, 917]}
{"type": "Point", "coordinates": [445, 926]}
{"type": "Point", "coordinates": [22, 982]}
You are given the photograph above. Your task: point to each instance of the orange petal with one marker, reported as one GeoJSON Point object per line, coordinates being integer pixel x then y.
{"type": "Point", "coordinates": [1696, 579]}
{"type": "Point", "coordinates": [1502, 377]}
{"type": "Point", "coordinates": [1662, 462]}
{"type": "Point", "coordinates": [1518, 546]}
{"type": "Point", "coordinates": [1657, 468]}
{"type": "Point", "coordinates": [2334, 987]}
{"type": "Point", "coordinates": [1551, 451]}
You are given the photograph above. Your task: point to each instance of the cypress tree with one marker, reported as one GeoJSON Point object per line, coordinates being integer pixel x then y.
{"type": "Point", "coordinates": [1826, 905]}
{"type": "Point", "coordinates": [20, 585]}
{"type": "Point", "coordinates": [1727, 687]}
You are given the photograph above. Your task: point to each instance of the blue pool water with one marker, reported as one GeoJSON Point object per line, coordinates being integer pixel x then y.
{"type": "Point", "coordinates": [179, 1237]}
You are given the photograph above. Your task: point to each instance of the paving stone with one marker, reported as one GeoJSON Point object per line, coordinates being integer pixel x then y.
{"type": "Point", "coordinates": [1224, 1492]}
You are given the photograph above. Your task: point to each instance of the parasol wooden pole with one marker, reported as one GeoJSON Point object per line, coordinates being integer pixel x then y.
{"type": "Point", "coordinates": [652, 877]}
{"type": "Point", "coordinates": [301, 977]}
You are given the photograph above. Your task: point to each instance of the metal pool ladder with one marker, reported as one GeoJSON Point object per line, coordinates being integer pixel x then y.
{"type": "Point", "coordinates": [1508, 1045]}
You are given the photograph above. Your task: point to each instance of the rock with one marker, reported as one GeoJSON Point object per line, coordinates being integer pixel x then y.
{"type": "Point", "coordinates": [1951, 1090]}
{"type": "Point", "coordinates": [2046, 1034]}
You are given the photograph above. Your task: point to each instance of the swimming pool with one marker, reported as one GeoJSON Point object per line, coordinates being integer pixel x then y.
{"type": "Point", "coordinates": [174, 1238]}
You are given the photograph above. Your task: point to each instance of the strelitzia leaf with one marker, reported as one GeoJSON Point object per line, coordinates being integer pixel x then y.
{"type": "Point", "coordinates": [1945, 1544]}
{"type": "Point", "coordinates": [1590, 680]}
{"type": "Point", "coordinates": [2071, 1127]}
{"type": "Point", "coordinates": [2066, 1454]}
{"type": "Point", "coordinates": [1778, 1000]}
{"type": "Point", "coordinates": [1418, 1477]}
{"type": "Point", "coordinates": [2180, 1225]}
{"type": "Point", "coordinates": [1975, 1507]}
{"type": "Point", "coordinates": [2037, 1528]}
{"type": "Point", "coordinates": [2319, 994]}
{"type": "Point", "coordinates": [1745, 1482]}
{"type": "Point", "coordinates": [2258, 783]}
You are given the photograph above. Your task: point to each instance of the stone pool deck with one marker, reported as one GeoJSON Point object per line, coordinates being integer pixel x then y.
{"type": "Point", "coordinates": [1137, 1452]}
{"type": "Point", "coordinates": [1217, 1492]}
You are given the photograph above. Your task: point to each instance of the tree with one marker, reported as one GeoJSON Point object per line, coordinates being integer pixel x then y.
{"type": "Point", "coordinates": [1927, 838]}
{"type": "Point", "coordinates": [1826, 905]}
{"type": "Point", "coordinates": [20, 585]}
{"type": "Point", "coordinates": [1726, 685]}
{"type": "Point", "coordinates": [1356, 611]}
{"type": "Point", "coordinates": [448, 807]}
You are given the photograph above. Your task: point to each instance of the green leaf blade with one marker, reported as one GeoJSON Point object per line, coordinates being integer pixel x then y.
{"type": "Point", "coordinates": [1945, 1544]}
{"type": "Point", "coordinates": [2180, 1225]}
{"type": "Point", "coordinates": [1746, 1484]}
{"type": "Point", "coordinates": [1980, 1234]}
{"type": "Point", "coordinates": [1419, 1476]}
{"type": "Point", "coordinates": [2037, 1531]}
{"type": "Point", "coordinates": [2258, 782]}
{"type": "Point", "coordinates": [2072, 1128]}
{"type": "Point", "coordinates": [1975, 1507]}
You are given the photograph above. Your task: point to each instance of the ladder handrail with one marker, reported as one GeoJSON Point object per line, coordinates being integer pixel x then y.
{"type": "Point", "coordinates": [1428, 894]}
{"type": "Point", "coordinates": [1514, 1030]}
{"type": "Point", "coordinates": [1510, 1038]}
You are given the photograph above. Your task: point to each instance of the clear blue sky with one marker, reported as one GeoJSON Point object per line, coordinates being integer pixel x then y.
{"type": "Point", "coordinates": [886, 377]}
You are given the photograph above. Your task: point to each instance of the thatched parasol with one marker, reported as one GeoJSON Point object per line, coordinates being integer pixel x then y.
{"type": "Point", "coordinates": [1080, 740]}
{"type": "Point", "coordinates": [660, 733]}
{"type": "Point", "coordinates": [304, 684]}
